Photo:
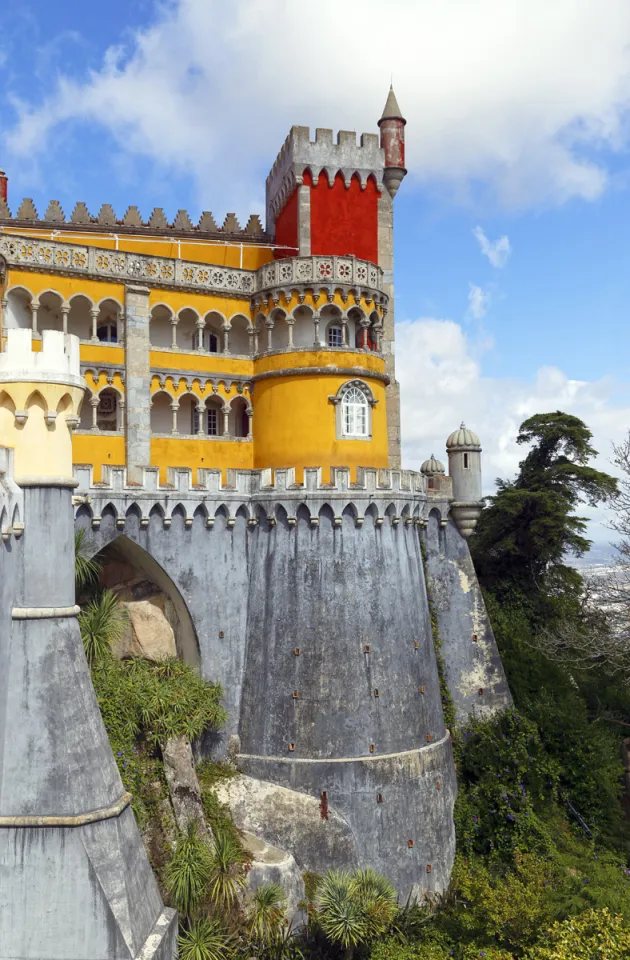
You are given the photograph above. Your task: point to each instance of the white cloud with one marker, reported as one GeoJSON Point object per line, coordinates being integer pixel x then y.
{"type": "Point", "coordinates": [518, 97]}
{"type": "Point", "coordinates": [478, 301]}
{"type": "Point", "coordinates": [497, 252]}
{"type": "Point", "coordinates": [442, 383]}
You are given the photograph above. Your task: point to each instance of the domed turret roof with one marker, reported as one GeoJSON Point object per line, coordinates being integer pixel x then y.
{"type": "Point", "coordinates": [463, 439]}
{"type": "Point", "coordinates": [432, 467]}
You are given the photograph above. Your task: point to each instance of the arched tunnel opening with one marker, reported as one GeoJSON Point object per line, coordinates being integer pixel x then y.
{"type": "Point", "coordinates": [159, 622]}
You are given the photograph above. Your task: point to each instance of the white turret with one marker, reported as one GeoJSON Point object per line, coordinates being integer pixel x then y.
{"type": "Point", "coordinates": [464, 466]}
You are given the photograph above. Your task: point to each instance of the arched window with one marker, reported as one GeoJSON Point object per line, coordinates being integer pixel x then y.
{"type": "Point", "coordinates": [335, 336]}
{"type": "Point", "coordinates": [107, 410]}
{"type": "Point", "coordinates": [108, 332]}
{"type": "Point", "coordinates": [354, 413]}
{"type": "Point", "coordinates": [353, 402]}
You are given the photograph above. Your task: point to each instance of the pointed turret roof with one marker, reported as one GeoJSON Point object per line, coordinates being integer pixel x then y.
{"type": "Point", "coordinates": [392, 111]}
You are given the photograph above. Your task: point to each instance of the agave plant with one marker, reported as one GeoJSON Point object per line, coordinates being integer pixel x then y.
{"type": "Point", "coordinates": [206, 940]}
{"type": "Point", "coordinates": [86, 568]}
{"type": "Point", "coordinates": [102, 623]}
{"type": "Point", "coordinates": [188, 872]}
{"type": "Point", "coordinates": [227, 877]}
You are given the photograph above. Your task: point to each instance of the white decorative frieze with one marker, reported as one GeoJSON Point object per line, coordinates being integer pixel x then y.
{"type": "Point", "coordinates": [97, 263]}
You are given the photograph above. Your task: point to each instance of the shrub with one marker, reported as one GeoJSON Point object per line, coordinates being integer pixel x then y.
{"type": "Point", "coordinates": [187, 875]}
{"type": "Point", "coordinates": [595, 935]}
{"type": "Point", "coordinates": [206, 940]}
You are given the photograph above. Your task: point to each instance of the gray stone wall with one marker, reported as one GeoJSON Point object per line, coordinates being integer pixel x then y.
{"type": "Point", "coordinates": [74, 877]}
{"type": "Point", "coordinates": [474, 671]}
{"type": "Point", "coordinates": [386, 262]}
{"type": "Point", "coordinates": [137, 380]}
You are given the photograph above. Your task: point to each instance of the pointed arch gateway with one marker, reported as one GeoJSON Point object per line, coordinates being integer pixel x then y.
{"type": "Point", "coordinates": [152, 597]}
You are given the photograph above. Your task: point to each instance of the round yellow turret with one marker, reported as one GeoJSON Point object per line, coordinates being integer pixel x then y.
{"type": "Point", "coordinates": [40, 399]}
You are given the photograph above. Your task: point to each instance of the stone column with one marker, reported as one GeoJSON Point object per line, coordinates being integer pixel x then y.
{"type": "Point", "coordinates": [94, 312]}
{"type": "Point", "coordinates": [252, 341]}
{"type": "Point", "coordinates": [94, 402]}
{"type": "Point", "coordinates": [226, 421]}
{"type": "Point", "coordinates": [250, 424]}
{"type": "Point", "coordinates": [200, 328]}
{"type": "Point", "coordinates": [65, 310]}
{"type": "Point", "coordinates": [269, 325]}
{"type": "Point", "coordinates": [304, 221]}
{"type": "Point", "coordinates": [137, 381]}
{"type": "Point", "coordinates": [290, 324]}
{"type": "Point", "coordinates": [386, 262]}
{"type": "Point", "coordinates": [34, 305]}
{"type": "Point", "coordinates": [174, 409]}
{"type": "Point", "coordinates": [256, 345]}
{"type": "Point", "coordinates": [344, 331]}
{"type": "Point", "coordinates": [226, 337]}
{"type": "Point", "coordinates": [316, 322]}
{"type": "Point", "coordinates": [174, 321]}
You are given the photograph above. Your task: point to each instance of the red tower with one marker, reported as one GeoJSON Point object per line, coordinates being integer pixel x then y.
{"type": "Point", "coordinates": [4, 186]}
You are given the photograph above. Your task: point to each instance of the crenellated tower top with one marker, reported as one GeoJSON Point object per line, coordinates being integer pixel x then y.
{"type": "Point", "coordinates": [40, 399]}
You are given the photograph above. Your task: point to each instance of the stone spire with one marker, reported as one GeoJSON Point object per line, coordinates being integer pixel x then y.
{"type": "Point", "coordinates": [392, 124]}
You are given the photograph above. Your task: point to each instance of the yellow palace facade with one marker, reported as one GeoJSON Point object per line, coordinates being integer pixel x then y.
{"type": "Point", "coordinates": [224, 348]}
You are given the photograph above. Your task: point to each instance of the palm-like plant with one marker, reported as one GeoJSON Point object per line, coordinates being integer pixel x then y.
{"type": "Point", "coordinates": [339, 913]}
{"type": "Point", "coordinates": [188, 872]}
{"type": "Point", "coordinates": [266, 917]}
{"type": "Point", "coordinates": [206, 940]}
{"type": "Point", "coordinates": [86, 568]}
{"type": "Point", "coordinates": [227, 877]}
{"type": "Point", "coordinates": [354, 908]}
{"type": "Point", "coordinates": [102, 623]}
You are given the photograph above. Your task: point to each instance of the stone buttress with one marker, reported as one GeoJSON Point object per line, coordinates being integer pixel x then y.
{"type": "Point", "coordinates": [75, 882]}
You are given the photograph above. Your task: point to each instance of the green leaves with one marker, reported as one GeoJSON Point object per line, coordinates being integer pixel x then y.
{"type": "Point", "coordinates": [529, 526]}
{"type": "Point", "coordinates": [354, 908]}
{"type": "Point", "coordinates": [266, 919]}
{"type": "Point", "coordinates": [226, 880]}
{"type": "Point", "coordinates": [188, 873]}
{"type": "Point", "coordinates": [206, 940]}
{"type": "Point", "coordinates": [102, 623]}
{"type": "Point", "coordinates": [86, 568]}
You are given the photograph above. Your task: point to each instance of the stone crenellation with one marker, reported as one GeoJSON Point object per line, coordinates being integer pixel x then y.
{"type": "Point", "coordinates": [133, 220]}
{"type": "Point", "coordinates": [11, 498]}
{"type": "Point", "coordinates": [398, 496]}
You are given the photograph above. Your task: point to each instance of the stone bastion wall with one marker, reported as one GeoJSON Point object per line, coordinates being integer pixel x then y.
{"type": "Point", "coordinates": [309, 604]}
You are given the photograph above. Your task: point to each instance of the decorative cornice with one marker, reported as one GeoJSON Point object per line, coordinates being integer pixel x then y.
{"type": "Point", "coordinates": [323, 372]}
{"type": "Point", "coordinates": [68, 259]}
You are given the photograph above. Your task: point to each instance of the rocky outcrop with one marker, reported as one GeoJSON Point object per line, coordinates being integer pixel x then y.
{"type": "Point", "coordinates": [149, 633]}
{"type": "Point", "coordinates": [183, 785]}
{"type": "Point", "coordinates": [290, 820]}
{"type": "Point", "coordinates": [272, 865]}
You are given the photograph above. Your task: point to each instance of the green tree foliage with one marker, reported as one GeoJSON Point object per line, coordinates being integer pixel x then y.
{"type": "Point", "coordinates": [595, 935]}
{"type": "Point", "coordinates": [522, 538]}
{"type": "Point", "coordinates": [226, 880]}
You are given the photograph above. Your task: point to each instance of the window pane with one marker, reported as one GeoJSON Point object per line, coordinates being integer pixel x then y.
{"type": "Point", "coordinates": [213, 422]}
{"type": "Point", "coordinates": [335, 337]}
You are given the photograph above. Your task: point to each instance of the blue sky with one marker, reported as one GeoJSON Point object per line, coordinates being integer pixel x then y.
{"type": "Point", "coordinates": [517, 129]}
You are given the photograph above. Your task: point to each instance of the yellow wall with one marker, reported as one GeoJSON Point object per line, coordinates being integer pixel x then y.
{"type": "Point", "coordinates": [207, 453]}
{"type": "Point", "coordinates": [213, 363]}
{"type": "Point", "coordinates": [99, 449]}
{"type": "Point", "coordinates": [200, 251]}
{"type": "Point", "coordinates": [41, 449]}
{"type": "Point", "coordinates": [295, 422]}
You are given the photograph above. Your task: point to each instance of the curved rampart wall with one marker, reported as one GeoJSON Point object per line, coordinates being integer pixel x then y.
{"type": "Point", "coordinates": [474, 671]}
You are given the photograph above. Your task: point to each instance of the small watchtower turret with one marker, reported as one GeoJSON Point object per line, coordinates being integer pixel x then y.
{"type": "Point", "coordinates": [4, 186]}
{"type": "Point", "coordinates": [392, 124]}
{"type": "Point", "coordinates": [464, 466]}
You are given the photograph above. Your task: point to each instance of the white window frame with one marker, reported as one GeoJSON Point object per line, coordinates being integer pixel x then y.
{"type": "Point", "coordinates": [357, 414]}
{"type": "Point", "coordinates": [334, 332]}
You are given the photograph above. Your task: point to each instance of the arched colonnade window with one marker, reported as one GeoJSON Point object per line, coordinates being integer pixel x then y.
{"type": "Point", "coordinates": [326, 329]}
{"type": "Point", "coordinates": [189, 415]}
{"type": "Point", "coordinates": [103, 410]}
{"type": "Point", "coordinates": [100, 322]}
{"type": "Point", "coordinates": [186, 329]}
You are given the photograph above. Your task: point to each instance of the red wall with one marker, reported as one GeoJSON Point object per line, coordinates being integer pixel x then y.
{"type": "Point", "coordinates": [344, 220]}
{"type": "Point", "coordinates": [287, 228]}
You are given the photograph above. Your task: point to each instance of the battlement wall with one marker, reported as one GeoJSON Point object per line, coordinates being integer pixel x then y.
{"type": "Point", "coordinates": [398, 495]}
{"type": "Point", "coordinates": [57, 362]}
